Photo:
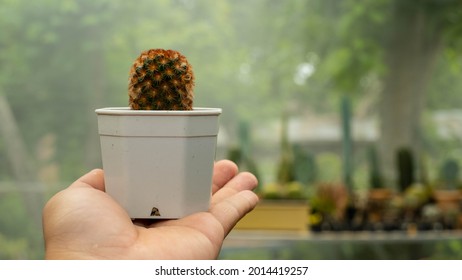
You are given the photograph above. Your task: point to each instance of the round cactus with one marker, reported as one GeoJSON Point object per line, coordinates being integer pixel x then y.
{"type": "Point", "coordinates": [161, 80]}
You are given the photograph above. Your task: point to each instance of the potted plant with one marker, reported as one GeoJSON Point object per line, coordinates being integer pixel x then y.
{"type": "Point", "coordinates": [447, 193]}
{"type": "Point", "coordinates": [377, 191]}
{"type": "Point", "coordinates": [158, 153]}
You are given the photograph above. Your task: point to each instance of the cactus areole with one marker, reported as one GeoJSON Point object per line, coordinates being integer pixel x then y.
{"type": "Point", "coordinates": [161, 80]}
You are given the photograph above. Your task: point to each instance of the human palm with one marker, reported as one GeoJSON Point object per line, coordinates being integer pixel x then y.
{"type": "Point", "coordinates": [83, 222]}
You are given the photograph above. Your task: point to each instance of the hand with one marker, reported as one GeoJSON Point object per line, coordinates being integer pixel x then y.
{"type": "Point", "coordinates": [83, 222]}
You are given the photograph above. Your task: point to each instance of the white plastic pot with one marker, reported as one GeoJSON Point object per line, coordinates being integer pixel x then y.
{"type": "Point", "coordinates": [159, 164]}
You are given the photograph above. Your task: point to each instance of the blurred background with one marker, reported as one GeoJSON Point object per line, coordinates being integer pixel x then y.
{"type": "Point", "coordinates": [324, 100]}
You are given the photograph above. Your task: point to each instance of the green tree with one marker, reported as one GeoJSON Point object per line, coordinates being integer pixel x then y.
{"type": "Point", "coordinates": [400, 42]}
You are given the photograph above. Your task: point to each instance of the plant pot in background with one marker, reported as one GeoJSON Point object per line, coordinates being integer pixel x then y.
{"type": "Point", "coordinates": [159, 164]}
{"type": "Point", "coordinates": [286, 215]}
{"type": "Point", "coordinates": [447, 199]}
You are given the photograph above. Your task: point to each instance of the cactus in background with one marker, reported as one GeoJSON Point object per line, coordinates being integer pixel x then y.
{"type": "Point", "coordinates": [405, 162]}
{"type": "Point", "coordinates": [423, 176]}
{"type": "Point", "coordinates": [347, 143]}
{"type": "Point", "coordinates": [244, 137]}
{"type": "Point", "coordinates": [161, 80]}
{"type": "Point", "coordinates": [241, 155]}
{"type": "Point", "coordinates": [375, 177]}
{"type": "Point", "coordinates": [449, 174]}
{"type": "Point", "coordinates": [305, 167]}
{"type": "Point", "coordinates": [286, 163]}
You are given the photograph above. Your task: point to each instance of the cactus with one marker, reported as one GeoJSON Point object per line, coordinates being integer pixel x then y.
{"type": "Point", "coordinates": [242, 155]}
{"type": "Point", "coordinates": [375, 177]}
{"type": "Point", "coordinates": [161, 80]}
{"type": "Point", "coordinates": [285, 173]}
{"type": "Point", "coordinates": [305, 168]}
{"type": "Point", "coordinates": [405, 168]}
{"type": "Point", "coordinates": [449, 174]}
{"type": "Point", "coordinates": [347, 143]}
{"type": "Point", "coordinates": [423, 176]}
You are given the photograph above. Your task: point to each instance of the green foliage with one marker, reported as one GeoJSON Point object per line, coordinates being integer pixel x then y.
{"type": "Point", "coordinates": [19, 237]}
{"type": "Point", "coordinates": [13, 249]}
{"type": "Point", "coordinates": [83, 50]}
{"type": "Point", "coordinates": [360, 49]}
{"type": "Point", "coordinates": [60, 60]}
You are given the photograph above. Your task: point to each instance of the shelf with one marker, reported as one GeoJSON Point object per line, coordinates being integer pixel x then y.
{"type": "Point", "coordinates": [242, 244]}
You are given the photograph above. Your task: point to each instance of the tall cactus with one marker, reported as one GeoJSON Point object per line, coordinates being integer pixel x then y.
{"type": "Point", "coordinates": [347, 143]}
{"type": "Point", "coordinates": [449, 174]}
{"type": "Point", "coordinates": [161, 80]}
{"type": "Point", "coordinates": [305, 168]}
{"type": "Point", "coordinates": [242, 154]}
{"type": "Point", "coordinates": [285, 171]}
{"type": "Point", "coordinates": [375, 177]}
{"type": "Point", "coordinates": [405, 163]}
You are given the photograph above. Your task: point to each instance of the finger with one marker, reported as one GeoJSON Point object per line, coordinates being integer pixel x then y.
{"type": "Point", "coordinates": [241, 182]}
{"type": "Point", "coordinates": [223, 171]}
{"type": "Point", "coordinates": [94, 179]}
{"type": "Point", "coordinates": [229, 211]}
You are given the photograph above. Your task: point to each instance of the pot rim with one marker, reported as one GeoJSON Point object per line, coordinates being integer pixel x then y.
{"type": "Point", "coordinates": [196, 111]}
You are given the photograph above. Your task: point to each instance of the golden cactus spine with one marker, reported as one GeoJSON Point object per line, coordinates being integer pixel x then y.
{"type": "Point", "coordinates": [161, 80]}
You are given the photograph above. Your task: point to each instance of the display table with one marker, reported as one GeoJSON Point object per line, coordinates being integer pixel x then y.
{"type": "Point", "coordinates": [242, 244]}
